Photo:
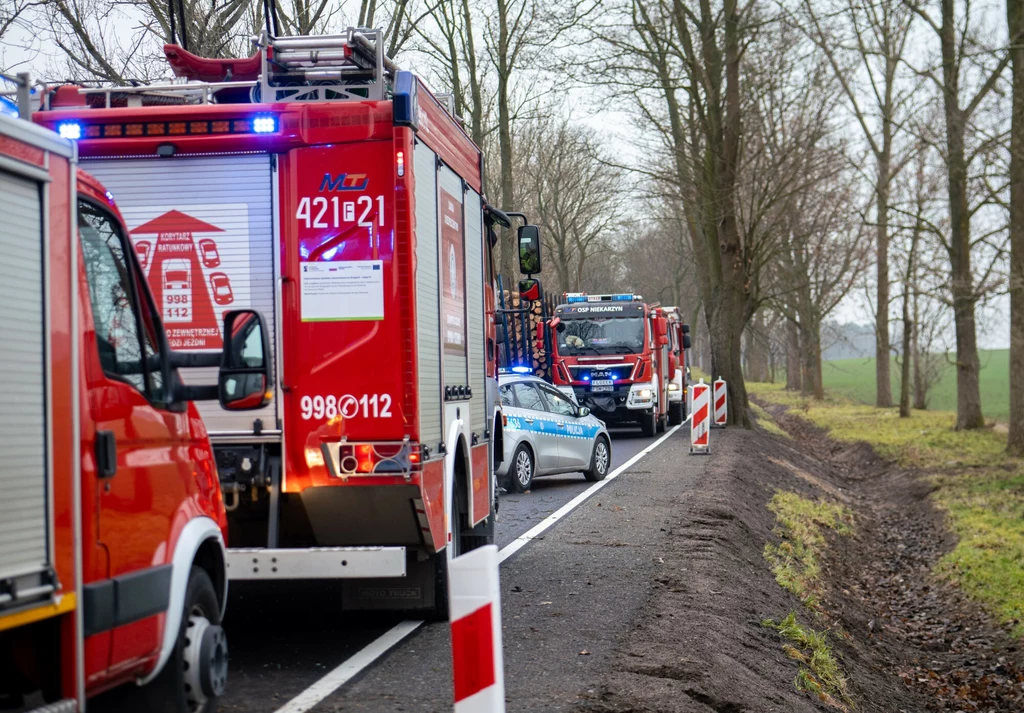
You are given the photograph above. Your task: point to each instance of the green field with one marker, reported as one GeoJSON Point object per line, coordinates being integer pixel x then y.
{"type": "Point", "coordinates": [855, 379]}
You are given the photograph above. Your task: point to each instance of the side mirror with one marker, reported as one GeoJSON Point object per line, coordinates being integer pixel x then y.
{"type": "Point", "coordinates": [529, 249]}
{"type": "Point", "coordinates": [560, 327]}
{"type": "Point", "coordinates": [686, 329]}
{"type": "Point", "coordinates": [246, 376]}
{"type": "Point", "coordinates": [583, 411]}
{"type": "Point", "coordinates": [500, 334]}
{"type": "Point", "coordinates": [529, 290]}
{"type": "Point", "coordinates": [686, 341]}
{"type": "Point", "coordinates": [661, 331]}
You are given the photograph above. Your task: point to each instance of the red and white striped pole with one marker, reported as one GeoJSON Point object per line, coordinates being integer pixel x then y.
{"type": "Point", "coordinates": [475, 608]}
{"type": "Point", "coordinates": [700, 420]}
{"type": "Point", "coordinates": [721, 403]}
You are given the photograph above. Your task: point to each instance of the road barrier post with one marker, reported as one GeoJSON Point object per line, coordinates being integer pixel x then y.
{"type": "Point", "coordinates": [721, 403]}
{"type": "Point", "coordinates": [700, 421]}
{"type": "Point", "coordinates": [475, 607]}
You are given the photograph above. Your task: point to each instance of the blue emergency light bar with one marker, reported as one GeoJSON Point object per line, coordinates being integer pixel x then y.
{"type": "Point", "coordinates": [522, 370]}
{"type": "Point", "coordinates": [264, 124]}
{"type": "Point", "coordinates": [70, 130]}
{"type": "Point", "coordinates": [583, 297]}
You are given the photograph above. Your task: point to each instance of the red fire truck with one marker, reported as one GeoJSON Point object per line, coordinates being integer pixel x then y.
{"type": "Point", "coordinates": [613, 351]}
{"type": "Point", "coordinates": [678, 343]}
{"type": "Point", "coordinates": [344, 199]}
{"type": "Point", "coordinates": [112, 520]}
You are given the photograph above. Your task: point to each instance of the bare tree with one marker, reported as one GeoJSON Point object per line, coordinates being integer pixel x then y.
{"type": "Point", "coordinates": [1015, 22]}
{"type": "Point", "coordinates": [961, 52]}
{"type": "Point", "coordinates": [875, 34]}
{"type": "Point", "coordinates": [571, 193]}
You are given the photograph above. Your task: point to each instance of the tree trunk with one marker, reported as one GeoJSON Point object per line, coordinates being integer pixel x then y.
{"type": "Point", "coordinates": [1015, 20]}
{"type": "Point", "coordinates": [792, 355]}
{"type": "Point", "coordinates": [920, 392]}
{"type": "Point", "coordinates": [908, 326]}
{"type": "Point", "coordinates": [968, 393]}
{"type": "Point", "coordinates": [509, 247]}
{"type": "Point", "coordinates": [883, 384]}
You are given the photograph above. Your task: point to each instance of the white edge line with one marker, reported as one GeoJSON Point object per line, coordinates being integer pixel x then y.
{"type": "Point", "coordinates": [524, 539]}
{"type": "Point", "coordinates": [355, 664]}
{"type": "Point", "coordinates": [349, 668]}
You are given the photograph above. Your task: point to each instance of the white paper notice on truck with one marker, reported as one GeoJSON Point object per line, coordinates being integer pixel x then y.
{"type": "Point", "coordinates": [344, 291]}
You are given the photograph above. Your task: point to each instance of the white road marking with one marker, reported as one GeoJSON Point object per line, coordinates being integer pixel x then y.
{"type": "Point", "coordinates": [355, 664]}
{"type": "Point", "coordinates": [349, 668]}
{"type": "Point", "coordinates": [524, 539]}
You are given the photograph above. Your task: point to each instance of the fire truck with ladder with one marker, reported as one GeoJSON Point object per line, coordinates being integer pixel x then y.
{"type": "Point", "coordinates": [112, 520]}
{"type": "Point", "coordinates": [340, 197]}
{"type": "Point", "coordinates": [619, 357]}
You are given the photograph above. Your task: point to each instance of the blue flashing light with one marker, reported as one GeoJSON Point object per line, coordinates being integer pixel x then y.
{"type": "Point", "coordinates": [264, 124]}
{"type": "Point", "coordinates": [522, 370]}
{"type": "Point", "coordinates": [70, 130]}
{"type": "Point", "coordinates": [622, 298]}
{"type": "Point", "coordinates": [576, 298]}
{"type": "Point", "coordinates": [586, 377]}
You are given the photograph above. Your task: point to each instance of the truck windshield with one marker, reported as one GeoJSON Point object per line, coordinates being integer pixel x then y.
{"type": "Point", "coordinates": [602, 334]}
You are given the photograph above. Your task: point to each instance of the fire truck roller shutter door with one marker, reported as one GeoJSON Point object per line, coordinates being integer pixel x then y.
{"type": "Point", "coordinates": [428, 310]}
{"type": "Point", "coordinates": [453, 278]}
{"type": "Point", "coordinates": [23, 508]}
{"type": "Point", "coordinates": [475, 309]}
{"type": "Point", "coordinates": [213, 213]}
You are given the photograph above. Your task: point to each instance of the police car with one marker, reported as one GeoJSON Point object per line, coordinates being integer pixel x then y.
{"type": "Point", "coordinates": [547, 433]}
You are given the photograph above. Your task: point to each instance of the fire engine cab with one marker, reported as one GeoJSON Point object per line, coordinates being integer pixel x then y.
{"type": "Point", "coordinates": [613, 352]}
{"type": "Point", "coordinates": [317, 182]}
{"type": "Point", "coordinates": [112, 520]}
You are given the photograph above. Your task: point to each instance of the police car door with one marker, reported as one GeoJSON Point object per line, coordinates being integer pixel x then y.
{"type": "Point", "coordinates": [574, 442]}
{"type": "Point", "coordinates": [538, 424]}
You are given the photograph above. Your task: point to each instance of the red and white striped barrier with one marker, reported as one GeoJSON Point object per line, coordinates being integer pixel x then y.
{"type": "Point", "coordinates": [700, 420]}
{"type": "Point", "coordinates": [475, 608]}
{"type": "Point", "coordinates": [721, 403]}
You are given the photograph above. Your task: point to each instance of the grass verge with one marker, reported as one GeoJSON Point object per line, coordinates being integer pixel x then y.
{"type": "Point", "coordinates": [820, 675]}
{"type": "Point", "coordinates": [977, 485]}
{"type": "Point", "coordinates": [801, 524]}
{"type": "Point", "coordinates": [766, 422]}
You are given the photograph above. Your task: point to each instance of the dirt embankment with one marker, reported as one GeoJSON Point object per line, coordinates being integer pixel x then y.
{"type": "Point", "coordinates": [904, 641]}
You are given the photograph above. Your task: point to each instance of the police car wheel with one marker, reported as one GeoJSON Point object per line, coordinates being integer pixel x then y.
{"type": "Point", "coordinates": [600, 461]}
{"type": "Point", "coordinates": [523, 468]}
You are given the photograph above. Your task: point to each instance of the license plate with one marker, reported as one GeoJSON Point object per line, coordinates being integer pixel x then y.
{"type": "Point", "coordinates": [602, 388]}
{"type": "Point", "coordinates": [601, 382]}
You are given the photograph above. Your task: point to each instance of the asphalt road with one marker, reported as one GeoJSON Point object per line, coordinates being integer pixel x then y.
{"type": "Point", "coordinates": [284, 637]}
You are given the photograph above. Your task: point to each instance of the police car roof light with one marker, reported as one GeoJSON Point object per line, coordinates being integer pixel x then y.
{"type": "Point", "coordinates": [522, 370]}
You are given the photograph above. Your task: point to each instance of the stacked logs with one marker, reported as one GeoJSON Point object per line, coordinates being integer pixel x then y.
{"type": "Point", "coordinates": [522, 334]}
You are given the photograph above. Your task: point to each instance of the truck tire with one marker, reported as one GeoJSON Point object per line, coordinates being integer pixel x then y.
{"type": "Point", "coordinates": [662, 421]}
{"type": "Point", "coordinates": [648, 424]}
{"type": "Point", "coordinates": [522, 469]}
{"type": "Point", "coordinates": [675, 413]}
{"type": "Point", "coordinates": [600, 461]}
{"type": "Point", "coordinates": [194, 677]}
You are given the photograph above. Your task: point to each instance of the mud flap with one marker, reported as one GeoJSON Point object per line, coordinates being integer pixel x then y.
{"type": "Point", "coordinates": [412, 593]}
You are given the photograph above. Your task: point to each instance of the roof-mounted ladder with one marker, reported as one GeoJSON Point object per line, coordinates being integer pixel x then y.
{"type": "Point", "coordinates": [307, 68]}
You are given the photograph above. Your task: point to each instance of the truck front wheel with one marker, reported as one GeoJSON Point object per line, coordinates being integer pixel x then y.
{"type": "Point", "coordinates": [649, 424]}
{"type": "Point", "coordinates": [195, 675]}
{"type": "Point", "coordinates": [675, 413]}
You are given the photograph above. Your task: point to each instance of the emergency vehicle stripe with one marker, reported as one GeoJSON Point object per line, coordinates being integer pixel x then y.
{"type": "Point", "coordinates": [473, 652]}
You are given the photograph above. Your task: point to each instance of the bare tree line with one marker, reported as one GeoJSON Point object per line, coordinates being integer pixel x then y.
{"type": "Point", "coordinates": [783, 155]}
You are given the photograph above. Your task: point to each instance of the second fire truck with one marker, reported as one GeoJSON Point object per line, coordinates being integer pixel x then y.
{"type": "Point", "coordinates": [616, 353]}
{"type": "Point", "coordinates": [318, 183]}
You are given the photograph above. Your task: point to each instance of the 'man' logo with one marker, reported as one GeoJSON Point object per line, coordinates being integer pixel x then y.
{"type": "Point", "coordinates": [344, 182]}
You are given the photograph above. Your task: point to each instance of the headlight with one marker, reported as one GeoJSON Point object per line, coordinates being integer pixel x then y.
{"type": "Point", "coordinates": [673, 386]}
{"type": "Point", "coordinates": [644, 394]}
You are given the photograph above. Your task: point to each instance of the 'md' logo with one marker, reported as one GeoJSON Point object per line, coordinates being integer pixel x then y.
{"type": "Point", "coordinates": [344, 182]}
